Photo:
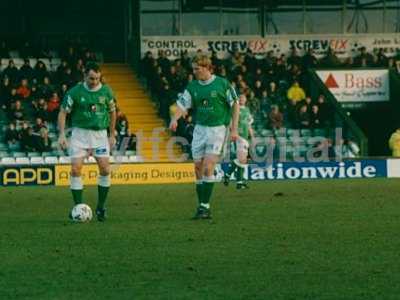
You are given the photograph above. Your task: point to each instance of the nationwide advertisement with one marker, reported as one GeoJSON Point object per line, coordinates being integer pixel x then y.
{"type": "Point", "coordinates": [357, 85]}
{"type": "Point", "coordinates": [343, 45]}
{"type": "Point", "coordinates": [322, 170]}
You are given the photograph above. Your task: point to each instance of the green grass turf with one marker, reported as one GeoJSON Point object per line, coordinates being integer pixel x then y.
{"type": "Point", "coordinates": [335, 239]}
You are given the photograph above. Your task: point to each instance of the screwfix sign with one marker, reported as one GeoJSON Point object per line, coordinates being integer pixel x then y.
{"type": "Point", "coordinates": [357, 85]}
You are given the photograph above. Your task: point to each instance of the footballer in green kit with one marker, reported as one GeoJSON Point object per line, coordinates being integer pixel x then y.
{"type": "Point", "coordinates": [215, 107]}
{"type": "Point", "coordinates": [241, 145]}
{"type": "Point", "coordinates": [91, 106]}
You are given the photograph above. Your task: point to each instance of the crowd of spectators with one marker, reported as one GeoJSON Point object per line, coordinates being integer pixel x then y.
{"type": "Point", "coordinates": [30, 95]}
{"type": "Point", "coordinates": [276, 86]}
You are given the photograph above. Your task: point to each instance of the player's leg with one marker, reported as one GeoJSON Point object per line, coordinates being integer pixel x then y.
{"type": "Point", "coordinates": [104, 183]}
{"type": "Point", "coordinates": [215, 140]}
{"type": "Point", "coordinates": [209, 162]}
{"type": "Point", "coordinates": [77, 151]}
{"type": "Point", "coordinates": [198, 149]}
{"type": "Point", "coordinates": [76, 183]}
{"type": "Point", "coordinates": [232, 165]}
{"type": "Point", "coordinates": [241, 162]}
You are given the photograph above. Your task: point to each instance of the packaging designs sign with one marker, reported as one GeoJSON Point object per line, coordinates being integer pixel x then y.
{"type": "Point", "coordinates": [357, 85]}
{"type": "Point", "coordinates": [132, 174]}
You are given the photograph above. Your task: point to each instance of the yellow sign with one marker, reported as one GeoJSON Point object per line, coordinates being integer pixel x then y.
{"type": "Point", "coordinates": [27, 176]}
{"type": "Point", "coordinates": [132, 174]}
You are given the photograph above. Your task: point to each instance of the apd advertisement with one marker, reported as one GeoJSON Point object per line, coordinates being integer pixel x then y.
{"type": "Point", "coordinates": [132, 174]}
{"type": "Point", "coordinates": [343, 45]}
{"type": "Point", "coordinates": [357, 85]}
{"type": "Point", "coordinates": [27, 175]}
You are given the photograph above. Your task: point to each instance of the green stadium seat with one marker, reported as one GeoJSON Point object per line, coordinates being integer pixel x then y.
{"type": "Point", "coordinates": [4, 154]}
{"type": "Point", "coordinates": [37, 160]}
{"type": "Point", "coordinates": [22, 160]}
{"type": "Point", "coordinates": [130, 152]}
{"type": "Point", "coordinates": [305, 132]}
{"type": "Point", "coordinates": [292, 132]}
{"type": "Point", "coordinates": [34, 154]}
{"type": "Point", "coordinates": [8, 161]}
{"type": "Point", "coordinates": [319, 132]}
{"type": "Point", "coordinates": [51, 159]}
{"type": "Point", "coordinates": [45, 154]}
{"type": "Point", "coordinates": [19, 154]}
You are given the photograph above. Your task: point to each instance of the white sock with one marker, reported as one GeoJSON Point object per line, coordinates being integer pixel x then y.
{"type": "Point", "coordinates": [104, 181]}
{"type": "Point", "coordinates": [76, 183]}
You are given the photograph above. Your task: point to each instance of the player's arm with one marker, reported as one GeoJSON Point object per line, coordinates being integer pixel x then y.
{"type": "Point", "coordinates": [113, 122]}
{"type": "Point", "coordinates": [183, 104]}
{"type": "Point", "coordinates": [233, 101]}
{"type": "Point", "coordinates": [62, 117]}
{"type": "Point", "coordinates": [65, 109]}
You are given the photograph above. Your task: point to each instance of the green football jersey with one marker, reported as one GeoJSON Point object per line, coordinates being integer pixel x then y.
{"type": "Point", "coordinates": [211, 101]}
{"type": "Point", "coordinates": [89, 109]}
{"type": "Point", "coordinates": [245, 121]}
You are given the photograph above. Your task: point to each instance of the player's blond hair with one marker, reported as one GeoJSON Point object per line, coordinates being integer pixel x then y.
{"type": "Point", "coordinates": [203, 61]}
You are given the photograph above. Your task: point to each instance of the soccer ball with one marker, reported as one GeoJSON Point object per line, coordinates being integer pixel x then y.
{"type": "Point", "coordinates": [81, 213]}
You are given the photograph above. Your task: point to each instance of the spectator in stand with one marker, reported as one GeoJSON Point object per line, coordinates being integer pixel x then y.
{"type": "Point", "coordinates": [364, 59]}
{"type": "Point", "coordinates": [17, 112]}
{"type": "Point", "coordinates": [53, 107]}
{"type": "Point", "coordinates": [146, 64]}
{"type": "Point", "coordinates": [216, 62]}
{"type": "Point", "coordinates": [78, 70]}
{"type": "Point", "coordinates": [397, 67]}
{"type": "Point", "coordinates": [46, 89]}
{"type": "Point", "coordinates": [303, 117]}
{"type": "Point", "coordinates": [61, 69]}
{"type": "Point", "coordinates": [330, 60]}
{"type": "Point", "coordinates": [382, 58]}
{"type": "Point", "coordinates": [253, 103]}
{"type": "Point", "coordinates": [63, 90]}
{"type": "Point", "coordinates": [67, 77]}
{"type": "Point", "coordinates": [28, 138]}
{"type": "Point", "coordinates": [275, 118]}
{"type": "Point", "coordinates": [315, 117]}
{"type": "Point", "coordinates": [12, 137]}
{"type": "Point", "coordinates": [307, 101]}
{"type": "Point", "coordinates": [23, 91]}
{"type": "Point", "coordinates": [43, 142]}
{"type": "Point", "coordinates": [40, 72]}
{"type": "Point", "coordinates": [39, 124]}
{"type": "Point", "coordinates": [5, 93]}
{"type": "Point", "coordinates": [175, 83]}
{"type": "Point", "coordinates": [295, 92]}
{"type": "Point", "coordinates": [294, 59]}
{"type": "Point", "coordinates": [291, 114]}
{"type": "Point", "coordinates": [167, 97]}
{"type": "Point", "coordinates": [11, 72]}
{"type": "Point", "coordinates": [71, 56]}
{"type": "Point", "coordinates": [250, 61]}
{"type": "Point", "coordinates": [324, 111]}
{"type": "Point", "coordinates": [258, 88]}
{"type": "Point", "coordinates": [394, 143]}
{"type": "Point", "coordinates": [265, 104]}
{"type": "Point", "coordinates": [26, 70]}
{"type": "Point", "coordinates": [163, 62]}
{"type": "Point", "coordinates": [41, 109]}
{"type": "Point", "coordinates": [309, 60]}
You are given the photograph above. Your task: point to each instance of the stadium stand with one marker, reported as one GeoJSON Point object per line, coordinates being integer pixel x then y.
{"type": "Point", "coordinates": [287, 108]}
{"type": "Point", "coordinates": [31, 90]}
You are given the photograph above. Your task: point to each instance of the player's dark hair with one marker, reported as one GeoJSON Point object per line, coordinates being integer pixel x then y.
{"type": "Point", "coordinates": [92, 66]}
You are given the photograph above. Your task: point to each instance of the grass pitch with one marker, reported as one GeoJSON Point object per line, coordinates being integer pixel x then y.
{"type": "Point", "coordinates": [332, 239]}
